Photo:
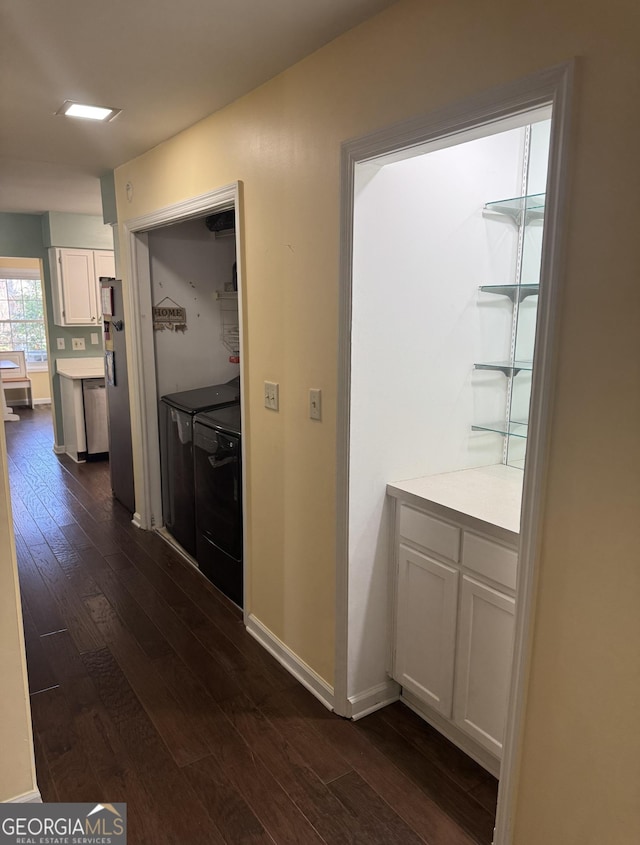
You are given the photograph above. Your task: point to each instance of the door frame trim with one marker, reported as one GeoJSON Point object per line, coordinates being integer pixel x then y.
{"type": "Point", "coordinates": [551, 86]}
{"type": "Point", "coordinates": [142, 370]}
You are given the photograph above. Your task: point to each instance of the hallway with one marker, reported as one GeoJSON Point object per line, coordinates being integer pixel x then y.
{"type": "Point", "coordinates": [146, 688]}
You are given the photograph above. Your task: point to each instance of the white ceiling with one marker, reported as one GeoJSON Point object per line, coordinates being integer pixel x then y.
{"type": "Point", "coordinates": [165, 63]}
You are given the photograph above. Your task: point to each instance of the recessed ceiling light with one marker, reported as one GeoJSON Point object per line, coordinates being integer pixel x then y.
{"type": "Point", "coordinates": [73, 109]}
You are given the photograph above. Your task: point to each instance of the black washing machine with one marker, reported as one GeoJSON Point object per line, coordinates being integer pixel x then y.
{"type": "Point", "coordinates": [177, 411]}
{"type": "Point", "coordinates": [217, 453]}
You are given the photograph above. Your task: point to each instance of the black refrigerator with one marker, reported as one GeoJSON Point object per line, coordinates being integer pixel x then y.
{"type": "Point", "coordinates": [117, 385]}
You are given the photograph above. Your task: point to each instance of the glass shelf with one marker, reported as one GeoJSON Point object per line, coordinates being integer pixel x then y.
{"type": "Point", "coordinates": [508, 368]}
{"type": "Point", "coordinates": [514, 292]}
{"type": "Point", "coordinates": [512, 429]}
{"type": "Point", "coordinates": [532, 207]}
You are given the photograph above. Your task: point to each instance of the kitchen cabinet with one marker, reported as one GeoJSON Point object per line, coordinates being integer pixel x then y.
{"type": "Point", "coordinates": [454, 568]}
{"type": "Point", "coordinates": [83, 400]}
{"type": "Point", "coordinates": [75, 279]}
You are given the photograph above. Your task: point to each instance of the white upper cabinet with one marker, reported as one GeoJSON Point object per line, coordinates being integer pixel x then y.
{"type": "Point", "coordinates": [75, 275]}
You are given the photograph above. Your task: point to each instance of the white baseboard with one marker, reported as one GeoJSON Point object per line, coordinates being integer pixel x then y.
{"type": "Point", "coordinates": [375, 698]}
{"type": "Point", "coordinates": [32, 797]}
{"type": "Point", "coordinates": [24, 403]}
{"type": "Point", "coordinates": [291, 662]}
{"type": "Point", "coordinates": [58, 450]}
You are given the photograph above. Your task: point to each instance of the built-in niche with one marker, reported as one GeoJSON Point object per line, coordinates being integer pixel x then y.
{"type": "Point", "coordinates": [428, 240]}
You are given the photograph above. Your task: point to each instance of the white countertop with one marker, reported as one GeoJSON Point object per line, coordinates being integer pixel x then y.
{"type": "Point", "coordinates": [492, 494]}
{"type": "Point", "coordinates": [80, 367]}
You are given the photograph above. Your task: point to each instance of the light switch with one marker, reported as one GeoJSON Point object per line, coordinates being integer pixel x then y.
{"type": "Point", "coordinates": [60, 342]}
{"type": "Point", "coordinates": [315, 404]}
{"type": "Point", "coordinates": [272, 395]}
{"type": "Point", "coordinates": [77, 343]}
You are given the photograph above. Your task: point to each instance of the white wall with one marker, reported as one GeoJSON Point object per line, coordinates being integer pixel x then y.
{"type": "Point", "coordinates": [188, 265]}
{"type": "Point", "coordinates": [422, 247]}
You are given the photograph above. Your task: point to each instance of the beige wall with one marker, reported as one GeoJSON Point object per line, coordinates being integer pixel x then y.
{"type": "Point", "coordinates": [17, 774]}
{"type": "Point", "coordinates": [581, 768]}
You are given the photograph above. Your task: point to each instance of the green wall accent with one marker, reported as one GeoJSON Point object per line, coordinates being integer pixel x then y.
{"type": "Point", "coordinates": [29, 236]}
{"type": "Point", "coordinates": [108, 191]}
{"type": "Point", "coordinates": [76, 230]}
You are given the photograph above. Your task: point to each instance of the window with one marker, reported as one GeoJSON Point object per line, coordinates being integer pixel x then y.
{"type": "Point", "coordinates": [22, 315]}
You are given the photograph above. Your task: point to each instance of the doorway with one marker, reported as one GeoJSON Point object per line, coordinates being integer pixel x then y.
{"type": "Point", "coordinates": [409, 398]}
{"type": "Point", "coordinates": [23, 325]}
{"type": "Point", "coordinates": [161, 363]}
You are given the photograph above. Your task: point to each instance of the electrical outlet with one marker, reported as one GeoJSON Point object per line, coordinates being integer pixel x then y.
{"type": "Point", "coordinates": [60, 342]}
{"type": "Point", "coordinates": [315, 404]}
{"type": "Point", "coordinates": [94, 338]}
{"type": "Point", "coordinates": [77, 343]}
{"type": "Point", "coordinates": [272, 395]}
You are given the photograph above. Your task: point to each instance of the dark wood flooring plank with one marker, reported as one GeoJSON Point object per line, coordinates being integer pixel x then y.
{"type": "Point", "coordinates": [179, 810]}
{"type": "Point", "coordinates": [67, 760]}
{"type": "Point", "coordinates": [76, 618]}
{"type": "Point", "coordinates": [335, 824]}
{"type": "Point", "coordinates": [234, 818]}
{"type": "Point", "coordinates": [421, 813]}
{"type": "Point", "coordinates": [192, 652]}
{"type": "Point", "coordinates": [44, 610]}
{"type": "Point", "coordinates": [170, 720]}
{"type": "Point", "coordinates": [268, 801]}
{"type": "Point", "coordinates": [453, 762]}
{"type": "Point", "coordinates": [147, 634]}
{"type": "Point", "coordinates": [218, 624]}
{"type": "Point", "coordinates": [24, 523]}
{"type": "Point", "coordinates": [486, 793]}
{"type": "Point", "coordinates": [461, 807]}
{"type": "Point", "coordinates": [39, 671]}
{"type": "Point", "coordinates": [44, 778]}
{"type": "Point", "coordinates": [319, 754]}
{"type": "Point", "coordinates": [106, 752]}
{"type": "Point", "coordinates": [224, 803]}
{"type": "Point", "coordinates": [379, 823]}
{"type": "Point", "coordinates": [118, 561]}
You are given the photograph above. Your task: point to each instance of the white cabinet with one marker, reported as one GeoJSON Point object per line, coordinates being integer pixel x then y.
{"type": "Point", "coordinates": [483, 663]}
{"type": "Point", "coordinates": [75, 279]}
{"type": "Point", "coordinates": [426, 627]}
{"type": "Point", "coordinates": [453, 622]}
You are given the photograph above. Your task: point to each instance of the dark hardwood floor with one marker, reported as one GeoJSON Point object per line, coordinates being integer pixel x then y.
{"type": "Point", "coordinates": [145, 688]}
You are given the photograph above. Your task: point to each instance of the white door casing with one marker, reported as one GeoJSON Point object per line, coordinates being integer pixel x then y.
{"type": "Point", "coordinates": [550, 87]}
{"type": "Point", "coordinates": [142, 377]}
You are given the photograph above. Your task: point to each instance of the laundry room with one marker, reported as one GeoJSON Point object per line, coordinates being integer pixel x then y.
{"type": "Point", "coordinates": [196, 340]}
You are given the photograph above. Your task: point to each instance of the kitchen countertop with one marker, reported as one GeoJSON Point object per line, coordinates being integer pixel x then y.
{"type": "Point", "coordinates": [491, 494]}
{"type": "Point", "coordinates": [78, 368]}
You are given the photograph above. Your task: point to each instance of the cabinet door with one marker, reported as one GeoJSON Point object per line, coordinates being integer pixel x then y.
{"type": "Point", "coordinates": [104, 264]}
{"type": "Point", "coordinates": [77, 280]}
{"type": "Point", "coordinates": [483, 663]}
{"type": "Point", "coordinates": [426, 604]}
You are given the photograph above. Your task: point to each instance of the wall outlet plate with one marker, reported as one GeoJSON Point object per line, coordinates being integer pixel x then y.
{"type": "Point", "coordinates": [94, 338]}
{"type": "Point", "coordinates": [77, 343]}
